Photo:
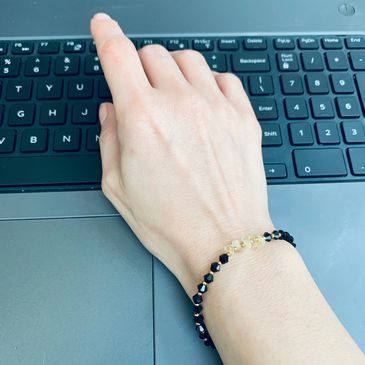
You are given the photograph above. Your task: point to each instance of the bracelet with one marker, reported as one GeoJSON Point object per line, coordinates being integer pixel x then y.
{"type": "Point", "coordinates": [253, 241]}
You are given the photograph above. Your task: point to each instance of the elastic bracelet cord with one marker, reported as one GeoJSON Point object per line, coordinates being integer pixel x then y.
{"type": "Point", "coordinates": [253, 241]}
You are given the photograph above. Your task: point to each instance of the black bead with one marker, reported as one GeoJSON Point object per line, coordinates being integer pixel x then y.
{"type": "Point", "coordinates": [208, 278]}
{"type": "Point", "coordinates": [200, 328]}
{"type": "Point", "coordinates": [197, 308]}
{"type": "Point", "coordinates": [224, 258]}
{"type": "Point", "coordinates": [197, 299]}
{"type": "Point", "coordinates": [203, 335]}
{"type": "Point", "coordinates": [267, 236]}
{"type": "Point", "coordinates": [215, 267]}
{"type": "Point", "coordinates": [202, 288]}
{"type": "Point", "coordinates": [276, 235]}
{"type": "Point", "coordinates": [199, 319]}
{"type": "Point", "coordinates": [209, 342]}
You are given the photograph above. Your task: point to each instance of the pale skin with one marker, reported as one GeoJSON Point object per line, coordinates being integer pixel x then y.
{"type": "Point", "coordinates": [181, 156]}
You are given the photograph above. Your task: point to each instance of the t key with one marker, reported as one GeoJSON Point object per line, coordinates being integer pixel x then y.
{"type": "Point", "coordinates": [19, 90]}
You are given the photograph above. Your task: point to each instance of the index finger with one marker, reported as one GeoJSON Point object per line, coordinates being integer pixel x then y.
{"type": "Point", "coordinates": [119, 58]}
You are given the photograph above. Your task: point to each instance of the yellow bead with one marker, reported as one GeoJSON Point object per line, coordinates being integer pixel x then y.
{"type": "Point", "coordinates": [236, 245]}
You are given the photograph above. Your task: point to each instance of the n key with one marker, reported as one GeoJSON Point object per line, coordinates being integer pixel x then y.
{"type": "Point", "coordinates": [67, 139]}
{"type": "Point", "coordinates": [19, 90]}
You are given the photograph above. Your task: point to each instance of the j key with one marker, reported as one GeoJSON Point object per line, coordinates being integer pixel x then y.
{"type": "Point", "coordinates": [21, 114]}
{"type": "Point", "coordinates": [7, 141]}
{"type": "Point", "coordinates": [322, 107]}
{"type": "Point", "coordinates": [342, 83]}
{"type": "Point", "coordinates": [84, 113]}
{"type": "Point", "coordinates": [332, 43]}
{"type": "Point", "coordinates": [317, 83]}
{"type": "Point", "coordinates": [355, 42]}
{"type": "Point", "coordinates": [22, 48]}
{"type": "Point", "coordinates": [271, 134]}
{"type": "Point", "coordinates": [3, 48]}
{"type": "Point", "coordinates": [203, 44]}
{"type": "Point", "coordinates": [296, 108]}
{"type": "Point", "coordinates": [177, 44]}
{"type": "Point", "coordinates": [92, 65]}
{"type": "Point", "coordinates": [67, 65]}
{"type": "Point", "coordinates": [265, 109]}
{"type": "Point", "coordinates": [228, 44]}
{"type": "Point", "coordinates": [250, 61]}
{"type": "Point", "coordinates": [291, 84]}
{"type": "Point", "coordinates": [287, 61]}
{"type": "Point", "coordinates": [216, 61]}
{"type": "Point", "coordinates": [67, 139]}
{"type": "Point", "coordinates": [74, 47]}
{"type": "Point", "coordinates": [308, 43]}
{"type": "Point", "coordinates": [357, 160]}
{"type": "Point", "coordinates": [300, 134]}
{"type": "Point", "coordinates": [312, 61]}
{"type": "Point", "coordinates": [48, 47]}
{"type": "Point", "coordinates": [360, 83]}
{"type": "Point", "coordinates": [275, 171]}
{"type": "Point", "coordinates": [348, 107]}
{"type": "Point", "coordinates": [284, 43]}
{"type": "Point", "coordinates": [336, 61]}
{"type": "Point", "coordinates": [9, 66]}
{"type": "Point", "coordinates": [81, 88]}
{"type": "Point", "coordinates": [34, 140]}
{"type": "Point", "coordinates": [37, 66]}
{"type": "Point", "coordinates": [353, 132]}
{"type": "Point", "coordinates": [255, 43]}
{"type": "Point", "coordinates": [1, 113]}
{"type": "Point", "coordinates": [104, 91]}
{"type": "Point", "coordinates": [19, 90]}
{"type": "Point", "coordinates": [261, 85]}
{"type": "Point", "coordinates": [319, 162]}
{"type": "Point", "coordinates": [53, 114]}
{"type": "Point", "coordinates": [327, 133]}
{"type": "Point", "coordinates": [92, 139]}
{"type": "Point", "coordinates": [49, 89]}
{"type": "Point", "coordinates": [357, 60]}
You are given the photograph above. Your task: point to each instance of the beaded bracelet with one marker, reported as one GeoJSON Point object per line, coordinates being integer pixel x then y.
{"type": "Point", "coordinates": [253, 241]}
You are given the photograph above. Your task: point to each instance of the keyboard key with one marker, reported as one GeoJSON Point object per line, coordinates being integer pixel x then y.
{"type": "Point", "coordinates": [203, 44]}
{"type": "Point", "coordinates": [261, 85]}
{"type": "Point", "coordinates": [21, 114]}
{"type": "Point", "coordinates": [84, 113]}
{"type": "Point", "coordinates": [37, 66]}
{"type": "Point", "coordinates": [22, 48]}
{"type": "Point", "coordinates": [67, 139]}
{"type": "Point", "coordinates": [342, 83]}
{"type": "Point", "coordinates": [177, 44]}
{"type": "Point", "coordinates": [296, 108]}
{"type": "Point", "coordinates": [250, 62]}
{"type": "Point", "coordinates": [228, 44]}
{"type": "Point", "coordinates": [255, 43]}
{"type": "Point", "coordinates": [19, 90]}
{"type": "Point", "coordinates": [353, 132]}
{"type": "Point", "coordinates": [287, 61]}
{"type": "Point", "coordinates": [271, 134]}
{"type": "Point", "coordinates": [322, 107]}
{"type": "Point", "coordinates": [275, 171]}
{"type": "Point", "coordinates": [80, 88]}
{"type": "Point", "coordinates": [336, 61]}
{"type": "Point", "coordinates": [3, 48]}
{"type": "Point", "coordinates": [49, 89]}
{"type": "Point", "coordinates": [348, 107]}
{"type": "Point", "coordinates": [92, 47]}
{"type": "Point", "coordinates": [332, 43]}
{"type": "Point", "coordinates": [327, 133]}
{"type": "Point", "coordinates": [284, 43]}
{"type": "Point", "coordinates": [360, 83]}
{"type": "Point", "coordinates": [74, 47]}
{"type": "Point", "coordinates": [355, 42]}
{"type": "Point", "coordinates": [92, 65]}
{"type": "Point", "coordinates": [291, 84]}
{"type": "Point", "coordinates": [92, 140]}
{"type": "Point", "coordinates": [104, 91]}
{"type": "Point", "coordinates": [7, 142]}
{"type": "Point", "coordinates": [308, 43]}
{"type": "Point", "coordinates": [68, 65]}
{"type": "Point", "coordinates": [1, 113]}
{"type": "Point", "coordinates": [9, 66]}
{"type": "Point", "coordinates": [53, 114]}
{"type": "Point", "coordinates": [357, 60]}
{"type": "Point", "coordinates": [48, 47]}
{"type": "Point", "coordinates": [312, 61]}
{"type": "Point", "coordinates": [265, 109]}
{"type": "Point", "coordinates": [216, 61]}
{"type": "Point", "coordinates": [357, 160]}
{"type": "Point", "coordinates": [34, 140]}
{"type": "Point", "coordinates": [319, 163]}
{"type": "Point", "coordinates": [300, 134]}
{"type": "Point", "coordinates": [148, 41]}
{"type": "Point", "coordinates": [317, 83]}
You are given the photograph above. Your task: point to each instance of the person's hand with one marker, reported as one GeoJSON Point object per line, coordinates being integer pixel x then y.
{"type": "Point", "coordinates": [181, 152]}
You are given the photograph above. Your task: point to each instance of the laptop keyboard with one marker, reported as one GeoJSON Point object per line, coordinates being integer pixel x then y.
{"type": "Point", "coordinates": [307, 92]}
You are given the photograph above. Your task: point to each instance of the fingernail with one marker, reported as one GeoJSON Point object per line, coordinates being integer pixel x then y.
{"type": "Point", "coordinates": [101, 16]}
{"type": "Point", "coordinates": [103, 113]}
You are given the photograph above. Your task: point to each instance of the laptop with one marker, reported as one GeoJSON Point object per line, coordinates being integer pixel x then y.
{"type": "Point", "coordinates": [76, 286]}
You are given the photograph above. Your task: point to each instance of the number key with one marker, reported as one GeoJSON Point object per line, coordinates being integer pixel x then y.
{"type": "Point", "coordinates": [348, 107]}
{"type": "Point", "coordinates": [317, 83]}
{"type": "Point", "coordinates": [353, 132]}
{"type": "Point", "coordinates": [327, 133]}
{"type": "Point", "coordinates": [68, 65]}
{"type": "Point", "coordinates": [342, 83]}
{"type": "Point", "coordinates": [296, 108]}
{"type": "Point", "coordinates": [291, 84]}
{"type": "Point", "coordinates": [300, 134]}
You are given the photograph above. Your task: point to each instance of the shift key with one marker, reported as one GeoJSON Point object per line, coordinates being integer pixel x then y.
{"type": "Point", "coordinates": [319, 163]}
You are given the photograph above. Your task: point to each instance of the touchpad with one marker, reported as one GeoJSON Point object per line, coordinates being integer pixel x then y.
{"type": "Point", "coordinates": [74, 291]}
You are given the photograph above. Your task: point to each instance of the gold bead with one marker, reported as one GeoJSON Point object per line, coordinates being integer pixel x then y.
{"type": "Point", "coordinates": [236, 244]}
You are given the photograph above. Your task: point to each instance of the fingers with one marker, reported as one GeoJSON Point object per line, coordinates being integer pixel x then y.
{"type": "Point", "coordinates": [119, 58]}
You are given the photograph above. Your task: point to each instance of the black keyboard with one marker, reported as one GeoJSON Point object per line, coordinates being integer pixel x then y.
{"type": "Point", "coordinates": [307, 92]}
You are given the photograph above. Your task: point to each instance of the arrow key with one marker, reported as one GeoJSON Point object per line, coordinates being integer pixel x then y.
{"type": "Point", "coordinates": [275, 171]}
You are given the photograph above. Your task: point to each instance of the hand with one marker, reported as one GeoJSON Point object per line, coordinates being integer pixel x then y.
{"type": "Point", "coordinates": [181, 152]}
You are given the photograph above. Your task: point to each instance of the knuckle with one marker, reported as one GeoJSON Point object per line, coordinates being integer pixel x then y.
{"type": "Point", "coordinates": [112, 47]}
{"type": "Point", "coordinates": [154, 49]}
{"type": "Point", "coordinates": [106, 184]}
{"type": "Point", "coordinates": [191, 55]}
{"type": "Point", "coordinates": [229, 79]}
